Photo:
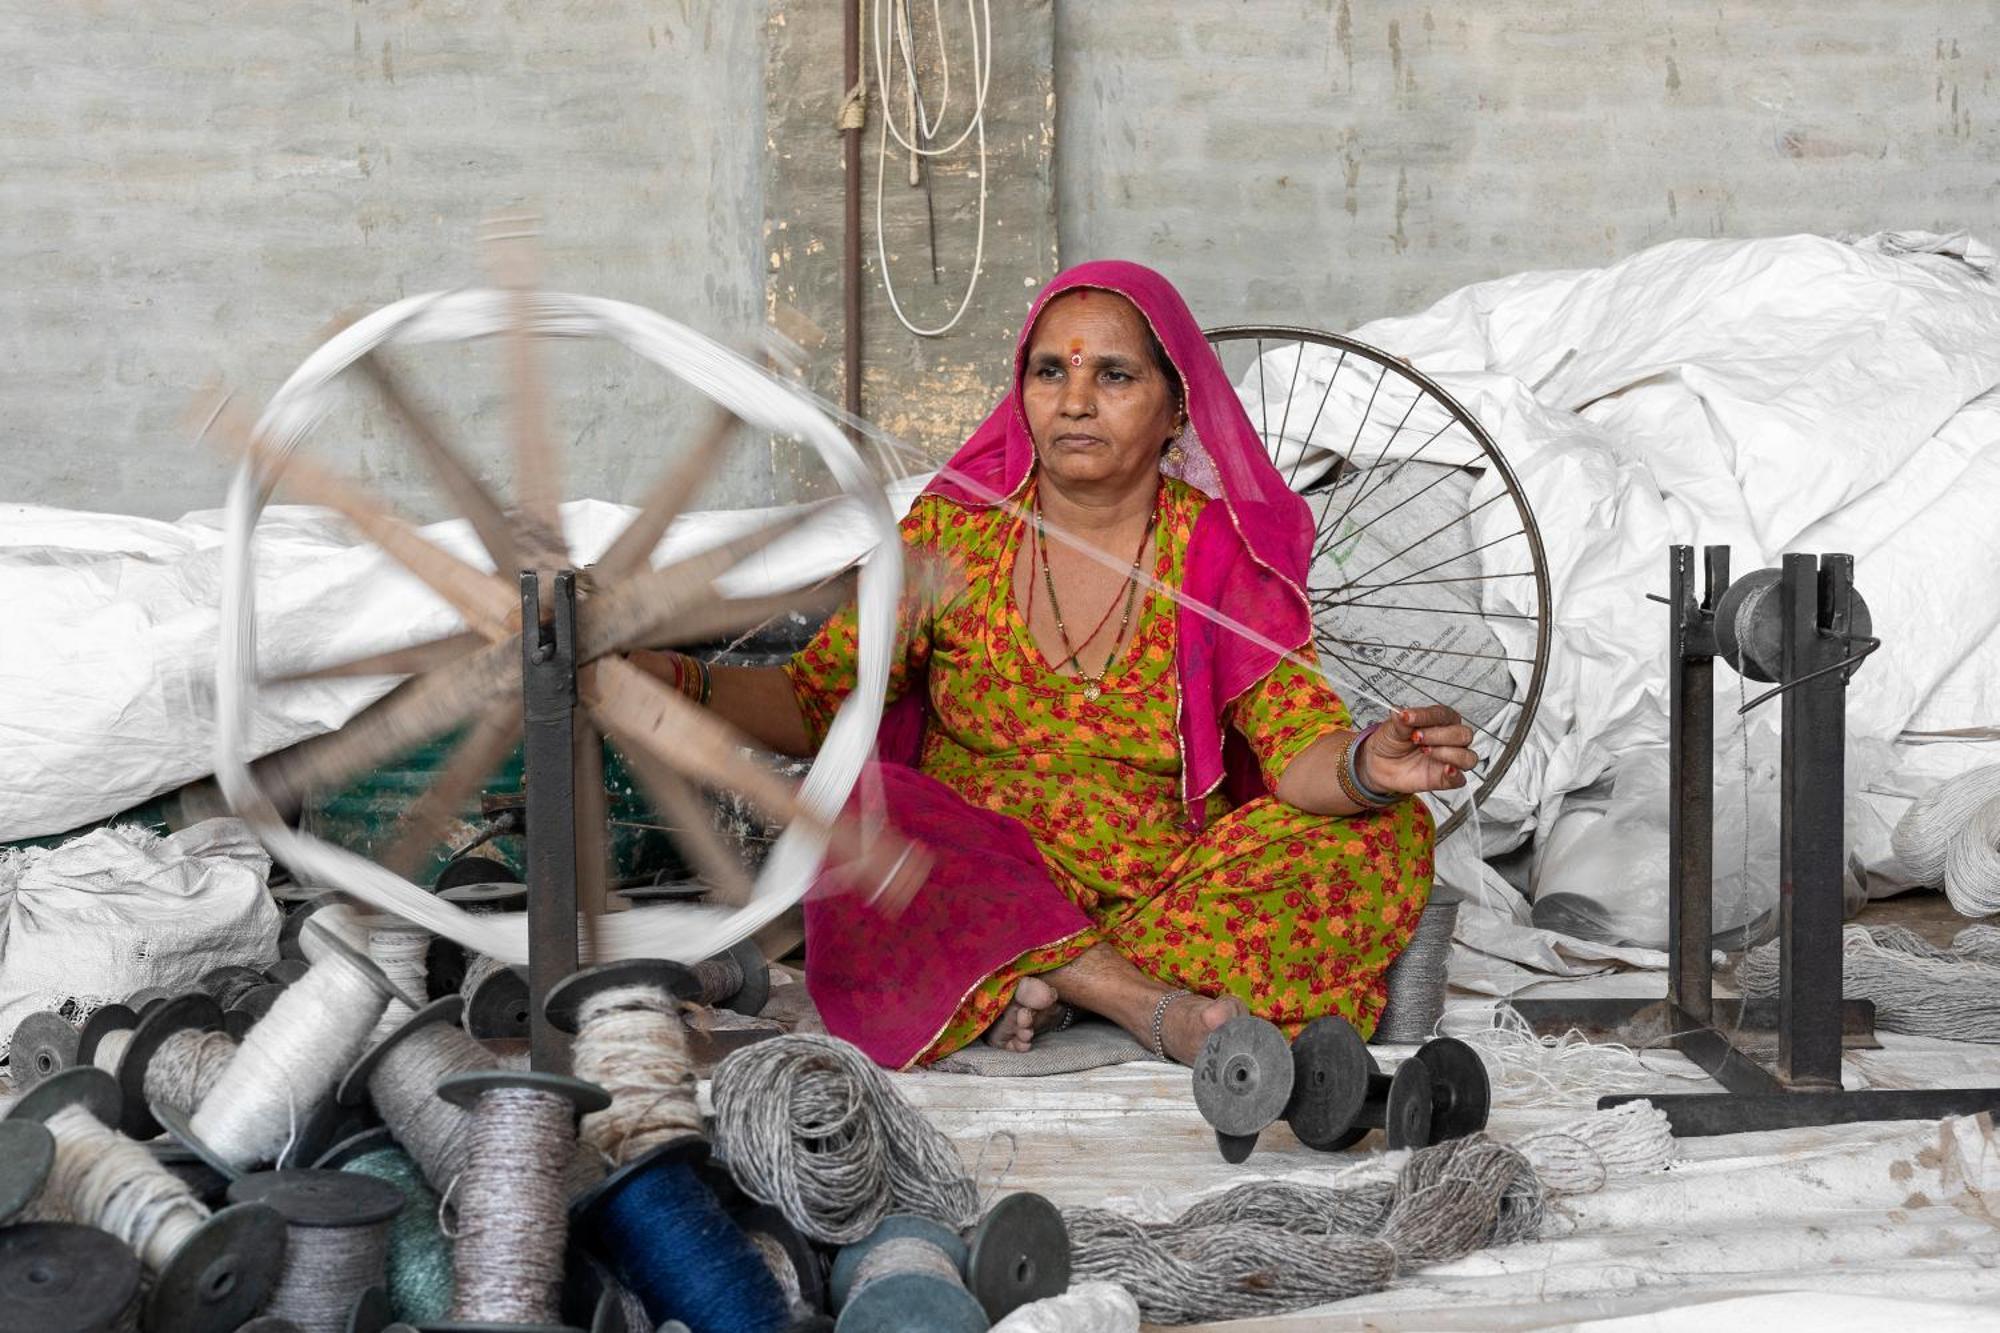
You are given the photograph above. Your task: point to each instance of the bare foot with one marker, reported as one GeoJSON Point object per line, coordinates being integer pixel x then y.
{"type": "Point", "coordinates": [1189, 1020]}
{"type": "Point", "coordinates": [1034, 1008]}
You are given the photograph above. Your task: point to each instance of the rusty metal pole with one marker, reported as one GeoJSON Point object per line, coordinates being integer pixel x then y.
{"type": "Point", "coordinates": [850, 256]}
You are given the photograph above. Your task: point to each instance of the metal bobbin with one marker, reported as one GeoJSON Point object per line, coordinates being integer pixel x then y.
{"type": "Point", "coordinates": [220, 1275]}
{"type": "Point", "coordinates": [233, 980]}
{"type": "Point", "coordinates": [498, 1007]}
{"type": "Point", "coordinates": [564, 1006]}
{"type": "Point", "coordinates": [469, 869]}
{"type": "Point", "coordinates": [27, 1153]}
{"type": "Point", "coordinates": [1018, 1253]}
{"type": "Point", "coordinates": [147, 998]}
{"type": "Point", "coordinates": [905, 1302]}
{"type": "Point", "coordinates": [748, 998]}
{"type": "Point", "coordinates": [44, 1043]}
{"type": "Point", "coordinates": [295, 922]}
{"type": "Point", "coordinates": [256, 1002]}
{"type": "Point", "coordinates": [288, 971]}
{"type": "Point", "coordinates": [1328, 1087]}
{"type": "Point", "coordinates": [194, 1012]}
{"type": "Point", "coordinates": [57, 1277]}
{"type": "Point", "coordinates": [111, 1018]}
{"type": "Point", "coordinates": [465, 1090]}
{"type": "Point", "coordinates": [491, 896]}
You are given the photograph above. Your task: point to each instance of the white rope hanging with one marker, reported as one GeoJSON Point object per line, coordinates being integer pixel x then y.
{"type": "Point", "coordinates": [676, 931]}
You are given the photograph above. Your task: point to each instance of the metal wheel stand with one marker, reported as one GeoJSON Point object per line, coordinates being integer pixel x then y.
{"type": "Point", "coordinates": [548, 710]}
{"type": "Point", "coordinates": [1819, 616]}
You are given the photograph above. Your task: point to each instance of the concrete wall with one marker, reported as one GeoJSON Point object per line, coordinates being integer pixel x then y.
{"type": "Point", "coordinates": [193, 189]}
{"type": "Point", "coordinates": [1329, 161]}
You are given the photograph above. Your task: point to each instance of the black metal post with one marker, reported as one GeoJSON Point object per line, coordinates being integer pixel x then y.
{"type": "Point", "coordinates": [1811, 795]}
{"type": "Point", "coordinates": [1690, 767]}
{"type": "Point", "coordinates": [548, 704]}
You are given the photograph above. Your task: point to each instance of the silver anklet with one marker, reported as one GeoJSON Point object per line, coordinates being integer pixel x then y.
{"type": "Point", "coordinates": [1068, 1017]}
{"type": "Point", "coordinates": [1160, 1018]}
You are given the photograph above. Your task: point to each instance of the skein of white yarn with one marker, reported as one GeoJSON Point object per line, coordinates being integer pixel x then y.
{"type": "Point", "coordinates": [1950, 836]}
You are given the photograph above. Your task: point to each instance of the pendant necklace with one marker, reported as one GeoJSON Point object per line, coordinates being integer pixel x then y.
{"type": "Point", "coordinates": [1093, 686]}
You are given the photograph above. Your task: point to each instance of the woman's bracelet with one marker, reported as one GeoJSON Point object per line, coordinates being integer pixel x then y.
{"type": "Point", "coordinates": [690, 676]}
{"type": "Point", "coordinates": [1351, 784]}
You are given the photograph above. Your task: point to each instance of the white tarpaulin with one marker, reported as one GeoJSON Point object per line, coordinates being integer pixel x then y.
{"type": "Point", "coordinates": [1788, 394]}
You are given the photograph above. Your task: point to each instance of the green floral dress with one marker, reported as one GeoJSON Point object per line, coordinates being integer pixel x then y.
{"type": "Point", "coordinates": [1298, 915]}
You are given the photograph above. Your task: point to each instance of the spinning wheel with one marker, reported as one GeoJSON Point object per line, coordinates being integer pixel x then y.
{"type": "Point", "coordinates": [549, 639]}
{"type": "Point", "coordinates": [1428, 582]}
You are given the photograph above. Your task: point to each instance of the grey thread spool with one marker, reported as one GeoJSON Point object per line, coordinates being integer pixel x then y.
{"type": "Point", "coordinates": [1417, 979]}
{"type": "Point", "coordinates": [496, 999]}
{"type": "Point", "coordinates": [186, 1066]}
{"type": "Point", "coordinates": [230, 984]}
{"type": "Point", "coordinates": [905, 1274]}
{"type": "Point", "coordinates": [211, 1270]}
{"type": "Point", "coordinates": [401, 1074]}
{"type": "Point", "coordinates": [336, 1241]}
{"type": "Point", "coordinates": [58, 1277]}
{"type": "Point", "coordinates": [513, 1219]}
{"type": "Point", "coordinates": [399, 950]}
{"type": "Point", "coordinates": [738, 979]}
{"type": "Point", "coordinates": [168, 1021]}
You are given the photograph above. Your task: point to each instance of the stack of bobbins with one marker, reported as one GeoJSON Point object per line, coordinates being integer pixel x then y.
{"type": "Point", "coordinates": [287, 1066]}
{"type": "Point", "coordinates": [172, 1055]}
{"type": "Point", "coordinates": [232, 987]}
{"type": "Point", "coordinates": [59, 1277]}
{"type": "Point", "coordinates": [1328, 1087]}
{"type": "Point", "coordinates": [513, 1224]}
{"type": "Point", "coordinates": [738, 980]}
{"type": "Point", "coordinates": [653, 1219]}
{"type": "Point", "coordinates": [45, 1044]}
{"type": "Point", "coordinates": [211, 1271]}
{"type": "Point", "coordinates": [419, 1257]}
{"type": "Point", "coordinates": [912, 1272]}
{"type": "Point", "coordinates": [336, 1247]}
{"type": "Point", "coordinates": [482, 886]}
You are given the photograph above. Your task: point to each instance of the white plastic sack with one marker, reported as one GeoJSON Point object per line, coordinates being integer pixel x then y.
{"type": "Point", "coordinates": [121, 909]}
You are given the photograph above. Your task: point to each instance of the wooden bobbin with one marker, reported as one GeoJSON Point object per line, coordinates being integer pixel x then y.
{"type": "Point", "coordinates": [27, 1152]}
{"type": "Point", "coordinates": [44, 1043]}
{"type": "Point", "coordinates": [905, 1302]}
{"type": "Point", "coordinates": [56, 1277]}
{"type": "Point", "coordinates": [193, 1012]}
{"type": "Point", "coordinates": [748, 998]}
{"type": "Point", "coordinates": [221, 1274]}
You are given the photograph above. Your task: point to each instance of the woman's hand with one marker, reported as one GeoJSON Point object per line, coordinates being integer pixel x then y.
{"type": "Point", "coordinates": [1417, 749]}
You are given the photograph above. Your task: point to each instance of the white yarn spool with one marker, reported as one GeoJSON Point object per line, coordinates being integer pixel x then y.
{"type": "Point", "coordinates": [631, 1042]}
{"type": "Point", "coordinates": [684, 933]}
{"type": "Point", "coordinates": [290, 1061]}
{"type": "Point", "coordinates": [103, 1179]}
{"type": "Point", "coordinates": [400, 951]}
{"type": "Point", "coordinates": [111, 1049]}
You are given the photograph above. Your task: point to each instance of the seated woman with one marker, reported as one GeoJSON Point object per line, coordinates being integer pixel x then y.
{"type": "Point", "coordinates": [1141, 798]}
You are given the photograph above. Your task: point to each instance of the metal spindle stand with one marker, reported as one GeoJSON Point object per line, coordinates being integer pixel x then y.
{"type": "Point", "coordinates": [1802, 639]}
{"type": "Point", "coordinates": [548, 704]}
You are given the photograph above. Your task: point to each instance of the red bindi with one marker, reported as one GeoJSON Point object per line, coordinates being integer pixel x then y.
{"type": "Point", "coordinates": [1076, 352]}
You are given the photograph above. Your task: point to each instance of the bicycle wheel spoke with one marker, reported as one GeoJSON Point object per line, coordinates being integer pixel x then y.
{"type": "Point", "coordinates": [479, 597]}
{"type": "Point", "coordinates": [1455, 518]}
{"type": "Point", "coordinates": [1318, 412]}
{"type": "Point", "coordinates": [479, 505]}
{"type": "Point", "coordinates": [1446, 652]}
{"type": "Point", "coordinates": [1417, 675]}
{"type": "Point", "coordinates": [418, 657]}
{"type": "Point", "coordinates": [1320, 604]}
{"type": "Point", "coordinates": [1421, 583]}
{"type": "Point", "coordinates": [427, 822]}
{"type": "Point", "coordinates": [1436, 564]}
{"type": "Point", "coordinates": [633, 548]}
{"type": "Point", "coordinates": [1445, 470]}
{"type": "Point", "coordinates": [538, 534]}
{"type": "Point", "coordinates": [692, 828]}
{"type": "Point", "coordinates": [1390, 439]}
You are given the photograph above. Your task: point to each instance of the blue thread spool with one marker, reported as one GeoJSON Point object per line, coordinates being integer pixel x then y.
{"type": "Point", "coordinates": [905, 1302]}
{"type": "Point", "coordinates": [675, 1248]}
